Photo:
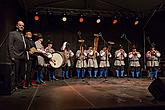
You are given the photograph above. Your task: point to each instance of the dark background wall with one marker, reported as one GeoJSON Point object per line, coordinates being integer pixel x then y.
{"type": "Point", "coordinates": [54, 29]}
{"type": "Point", "coordinates": [10, 13]}
{"type": "Point", "coordinates": [156, 31]}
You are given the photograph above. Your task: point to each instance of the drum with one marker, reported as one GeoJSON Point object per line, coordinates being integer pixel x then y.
{"type": "Point", "coordinates": [57, 60]}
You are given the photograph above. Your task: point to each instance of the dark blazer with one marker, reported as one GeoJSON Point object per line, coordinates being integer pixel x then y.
{"type": "Point", "coordinates": [16, 46]}
{"type": "Point", "coordinates": [29, 44]}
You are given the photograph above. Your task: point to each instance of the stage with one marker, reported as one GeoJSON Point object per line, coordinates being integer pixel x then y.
{"type": "Point", "coordinates": [78, 94]}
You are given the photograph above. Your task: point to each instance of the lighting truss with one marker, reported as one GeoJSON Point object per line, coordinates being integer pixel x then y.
{"type": "Point", "coordinates": [76, 12]}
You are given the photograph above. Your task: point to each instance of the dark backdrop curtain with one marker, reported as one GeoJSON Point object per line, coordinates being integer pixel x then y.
{"type": "Point", "coordinates": [10, 12]}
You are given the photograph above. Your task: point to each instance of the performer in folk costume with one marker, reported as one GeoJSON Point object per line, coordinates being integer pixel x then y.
{"type": "Point", "coordinates": [41, 61]}
{"type": "Point", "coordinates": [92, 61]}
{"type": "Point", "coordinates": [49, 50]}
{"type": "Point", "coordinates": [104, 61]}
{"type": "Point", "coordinates": [134, 57]}
{"type": "Point", "coordinates": [119, 61]}
{"type": "Point", "coordinates": [81, 64]}
{"type": "Point", "coordinates": [153, 56]}
{"type": "Point", "coordinates": [68, 54]}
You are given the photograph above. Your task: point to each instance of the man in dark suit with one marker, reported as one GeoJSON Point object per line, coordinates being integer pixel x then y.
{"type": "Point", "coordinates": [32, 61]}
{"type": "Point", "coordinates": [17, 53]}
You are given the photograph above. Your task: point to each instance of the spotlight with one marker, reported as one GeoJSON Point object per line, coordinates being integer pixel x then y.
{"type": "Point", "coordinates": [36, 18]}
{"type": "Point", "coordinates": [136, 22]}
{"type": "Point", "coordinates": [115, 20]}
{"type": "Point", "coordinates": [81, 19]}
{"type": "Point", "coordinates": [64, 18]}
{"type": "Point", "coordinates": [98, 20]}
{"type": "Point", "coordinates": [36, 13]}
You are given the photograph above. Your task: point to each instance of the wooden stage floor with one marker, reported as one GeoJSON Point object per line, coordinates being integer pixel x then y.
{"type": "Point", "coordinates": [76, 94]}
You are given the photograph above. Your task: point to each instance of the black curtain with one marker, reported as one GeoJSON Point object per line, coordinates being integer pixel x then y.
{"type": "Point", "coordinates": [10, 12]}
{"type": "Point", "coordinates": [53, 28]}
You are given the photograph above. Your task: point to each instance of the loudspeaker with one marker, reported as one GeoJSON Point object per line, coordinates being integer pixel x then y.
{"type": "Point", "coordinates": [157, 88]}
{"type": "Point", "coordinates": [7, 78]}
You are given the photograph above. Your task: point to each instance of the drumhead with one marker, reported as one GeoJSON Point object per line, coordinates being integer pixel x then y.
{"type": "Point", "coordinates": [57, 60]}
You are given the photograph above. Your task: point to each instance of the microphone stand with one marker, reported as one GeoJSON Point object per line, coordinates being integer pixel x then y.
{"type": "Point", "coordinates": [100, 35]}
{"type": "Point", "coordinates": [128, 49]}
{"type": "Point", "coordinates": [144, 32]}
{"type": "Point", "coordinates": [105, 43]}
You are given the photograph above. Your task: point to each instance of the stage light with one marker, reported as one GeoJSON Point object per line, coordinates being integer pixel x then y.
{"type": "Point", "coordinates": [115, 20]}
{"type": "Point", "coordinates": [136, 22]}
{"type": "Point", "coordinates": [81, 19]}
{"type": "Point", "coordinates": [64, 18]}
{"type": "Point", "coordinates": [36, 18]}
{"type": "Point", "coordinates": [98, 20]}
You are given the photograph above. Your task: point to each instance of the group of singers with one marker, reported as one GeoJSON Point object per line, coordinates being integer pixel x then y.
{"type": "Point", "coordinates": [22, 52]}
